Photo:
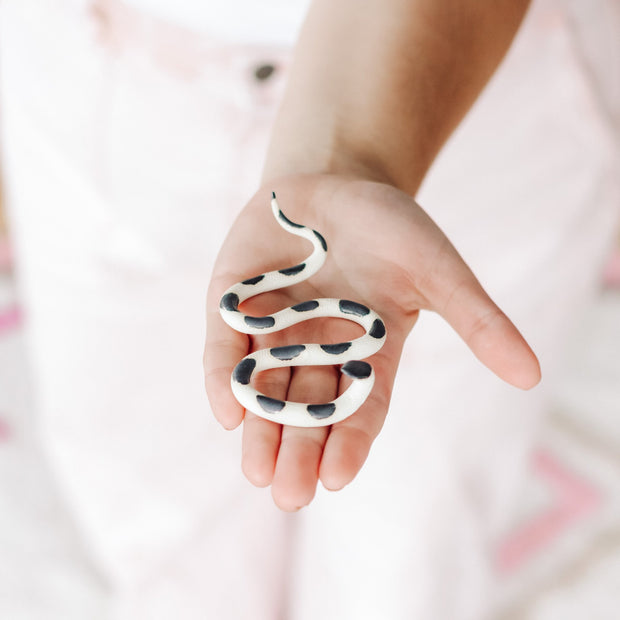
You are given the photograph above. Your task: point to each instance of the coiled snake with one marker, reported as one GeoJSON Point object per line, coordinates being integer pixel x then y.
{"type": "Point", "coordinates": [348, 354]}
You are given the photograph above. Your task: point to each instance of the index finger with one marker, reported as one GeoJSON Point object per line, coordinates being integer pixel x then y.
{"type": "Point", "coordinates": [349, 441]}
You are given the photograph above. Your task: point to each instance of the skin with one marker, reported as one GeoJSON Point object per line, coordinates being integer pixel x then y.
{"type": "Point", "coordinates": [352, 144]}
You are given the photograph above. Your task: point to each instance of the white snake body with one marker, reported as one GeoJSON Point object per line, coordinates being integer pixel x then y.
{"type": "Point", "coordinates": [346, 353]}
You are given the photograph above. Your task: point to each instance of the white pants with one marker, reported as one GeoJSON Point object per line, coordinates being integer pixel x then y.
{"type": "Point", "coordinates": [126, 157]}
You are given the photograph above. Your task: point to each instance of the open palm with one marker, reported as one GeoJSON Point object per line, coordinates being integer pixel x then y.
{"type": "Point", "coordinates": [384, 252]}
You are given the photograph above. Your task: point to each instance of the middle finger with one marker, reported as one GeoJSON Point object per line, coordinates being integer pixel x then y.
{"type": "Point", "coordinates": [297, 468]}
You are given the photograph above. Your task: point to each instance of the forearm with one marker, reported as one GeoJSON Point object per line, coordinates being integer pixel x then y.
{"type": "Point", "coordinates": [377, 86]}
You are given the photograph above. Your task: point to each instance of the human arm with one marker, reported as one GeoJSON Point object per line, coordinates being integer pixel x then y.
{"type": "Point", "coordinates": [377, 87]}
{"type": "Point", "coordinates": [375, 90]}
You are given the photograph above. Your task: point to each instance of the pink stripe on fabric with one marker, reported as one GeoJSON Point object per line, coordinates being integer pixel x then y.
{"type": "Point", "coordinates": [10, 318]}
{"type": "Point", "coordinates": [611, 274]}
{"type": "Point", "coordinates": [5, 430]}
{"type": "Point", "coordinates": [575, 498]}
{"type": "Point", "coordinates": [6, 254]}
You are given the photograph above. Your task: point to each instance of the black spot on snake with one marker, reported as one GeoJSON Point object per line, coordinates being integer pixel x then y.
{"type": "Point", "coordinates": [243, 371]}
{"type": "Point", "coordinates": [378, 329]}
{"type": "Point", "coordinates": [305, 306]}
{"type": "Point", "coordinates": [321, 411]}
{"type": "Point", "coordinates": [230, 302]}
{"type": "Point", "coordinates": [287, 352]}
{"type": "Point", "coordinates": [270, 405]}
{"type": "Point", "coordinates": [321, 239]}
{"type": "Point", "coordinates": [293, 224]}
{"type": "Point", "coordinates": [260, 321]}
{"type": "Point", "coordinates": [336, 349]}
{"type": "Point", "coordinates": [352, 307]}
{"type": "Point", "coordinates": [291, 271]}
{"type": "Point", "coordinates": [255, 280]}
{"type": "Point", "coordinates": [357, 369]}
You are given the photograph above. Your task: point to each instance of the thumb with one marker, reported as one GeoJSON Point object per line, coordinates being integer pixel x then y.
{"type": "Point", "coordinates": [454, 292]}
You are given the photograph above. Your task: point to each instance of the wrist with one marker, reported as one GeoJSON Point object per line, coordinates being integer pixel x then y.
{"type": "Point", "coordinates": [328, 150]}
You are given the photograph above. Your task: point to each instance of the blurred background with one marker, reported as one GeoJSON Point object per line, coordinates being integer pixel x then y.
{"type": "Point", "coordinates": [558, 560]}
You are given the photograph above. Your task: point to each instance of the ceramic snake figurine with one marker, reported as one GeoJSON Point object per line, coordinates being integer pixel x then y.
{"type": "Point", "coordinates": [346, 353]}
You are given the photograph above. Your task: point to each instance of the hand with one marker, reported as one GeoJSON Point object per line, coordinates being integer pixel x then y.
{"type": "Point", "coordinates": [384, 252]}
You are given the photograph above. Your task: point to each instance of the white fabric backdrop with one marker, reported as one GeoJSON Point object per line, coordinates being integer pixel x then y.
{"type": "Point", "coordinates": [127, 153]}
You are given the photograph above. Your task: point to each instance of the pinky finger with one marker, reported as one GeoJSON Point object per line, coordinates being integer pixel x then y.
{"type": "Point", "coordinates": [224, 348]}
